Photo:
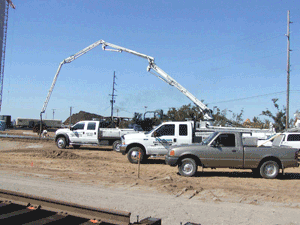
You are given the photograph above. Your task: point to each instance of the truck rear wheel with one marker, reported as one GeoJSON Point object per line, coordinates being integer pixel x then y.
{"type": "Point", "coordinates": [187, 167]}
{"type": "Point", "coordinates": [134, 153]}
{"type": "Point", "coordinates": [61, 142]}
{"type": "Point", "coordinates": [269, 169]}
{"type": "Point", "coordinates": [116, 145]}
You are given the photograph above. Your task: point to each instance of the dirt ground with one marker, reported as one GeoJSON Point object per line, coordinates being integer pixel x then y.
{"type": "Point", "coordinates": [101, 165]}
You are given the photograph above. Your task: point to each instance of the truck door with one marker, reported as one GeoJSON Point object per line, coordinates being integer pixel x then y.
{"type": "Point", "coordinates": [90, 133]}
{"type": "Point", "coordinates": [77, 132]}
{"type": "Point", "coordinates": [162, 138]}
{"type": "Point", "coordinates": [292, 140]}
{"type": "Point", "coordinates": [184, 134]}
{"type": "Point", "coordinates": [223, 152]}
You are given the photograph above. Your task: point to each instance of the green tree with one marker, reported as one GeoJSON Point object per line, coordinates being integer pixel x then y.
{"type": "Point", "coordinates": [221, 118]}
{"type": "Point", "coordinates": [184, 112]}
{"type": "Point", "coordinates": [257, 123]}
{"type": "Point", "coordinates": [279, 118]}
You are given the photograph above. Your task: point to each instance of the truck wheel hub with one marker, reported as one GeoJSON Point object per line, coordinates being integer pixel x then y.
{"type": "Point", "coordinates": [187, 168]}
{"type": "Point", "coordinates": [135, 155]}
{"type": "Point", "coordinates": [60, 142]}
{"type": "Point", "coordinates": [270, 169]}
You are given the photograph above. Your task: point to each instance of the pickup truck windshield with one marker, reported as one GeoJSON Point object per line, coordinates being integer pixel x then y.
{"type": "Point", "coordinates": [209, 138]}
{"type": "Point", "coordinates": [277, 140]}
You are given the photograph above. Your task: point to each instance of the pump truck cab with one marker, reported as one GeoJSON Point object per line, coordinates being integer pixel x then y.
{"type": "Point", "coordinates": [158, 140]}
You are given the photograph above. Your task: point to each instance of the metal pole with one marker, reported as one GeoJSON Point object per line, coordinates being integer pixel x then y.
{"type": "Point", "coordinates": [53, 112]}
{"type": "Point", "coordinates": [70, 116]}
{"type": "Point", "coordinates": [112, 101]}
{"type": "Point", "coordinates": [288, 72]}
{"type": "Point", "coordinates": [41, 122]}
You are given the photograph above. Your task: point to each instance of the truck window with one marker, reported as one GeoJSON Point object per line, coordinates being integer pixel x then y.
{"type": "Point", "coordinates": [91, 126]}
{"type": "Point", "coordinates": [226, 140]}
{"type": "Point", "coordinates": [168, 129]}
{"type": "Point", "coordinates": [183, 130]}
{"type": "Point", "coordinates": [79, 126]}
{"type": "Point", "coordinates": [277, 141]}
{"type": "Point", "coordinates": [293, 137]}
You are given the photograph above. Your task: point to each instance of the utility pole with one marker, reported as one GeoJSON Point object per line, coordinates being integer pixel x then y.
{"type": "Point", "coordinates": [288, 71]}
{"type": "Point", "coordinates": [53, 112]}
{"type": "Point", "coordinates": [70, 116]}
{"type": "Point", "coordinates": [112, 101]}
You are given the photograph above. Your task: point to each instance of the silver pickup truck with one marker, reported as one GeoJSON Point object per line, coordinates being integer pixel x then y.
{"type": "Point", "coordinates": [230, 150]}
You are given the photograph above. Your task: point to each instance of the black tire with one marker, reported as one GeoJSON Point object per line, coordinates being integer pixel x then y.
{"type": "Point", "coordinates": [187, 167]}
{"type": "Point", "coordinates": [269, 169]}
{"type": "Point", "coordinates": [61, 142]}
{"type": "Point", "coordinates": [133, 155]}
{"type": "Point", "coordinates": [76, 146]}
{"type": "Point", "coordinates": [116, 145]}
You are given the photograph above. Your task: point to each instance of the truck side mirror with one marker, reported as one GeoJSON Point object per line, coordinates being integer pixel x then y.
{"type": "Point", "coordinates": [154, 134]}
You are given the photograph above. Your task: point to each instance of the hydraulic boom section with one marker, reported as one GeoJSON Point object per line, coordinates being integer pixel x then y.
{"type": "Point", "coordinates": [159, 73]}
{"type": "Point", "coordinates": [67, 60]}
{"type": "Point", "coordinates": [165, 77]}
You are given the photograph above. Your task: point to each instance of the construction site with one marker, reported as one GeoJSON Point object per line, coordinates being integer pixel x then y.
{"type": "Point", "coordinates": [47, 177]}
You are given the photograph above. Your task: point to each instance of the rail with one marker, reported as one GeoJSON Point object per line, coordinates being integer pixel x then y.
{"type": "Point", "coordinates": [19, 208]}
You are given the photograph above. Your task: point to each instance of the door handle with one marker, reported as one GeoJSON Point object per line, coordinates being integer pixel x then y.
{"type": "Point", "coordinates": [94, 132]}
{"type": "Point", "coordinates": [83, 132]}
{"type": "Point", "coordinates": [175, 140]}
{"type": "Point", "coordinates": [233, 150]}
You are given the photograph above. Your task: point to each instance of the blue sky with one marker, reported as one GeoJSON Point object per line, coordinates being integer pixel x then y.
{"type": "Point", "coordinates": [221, 51]}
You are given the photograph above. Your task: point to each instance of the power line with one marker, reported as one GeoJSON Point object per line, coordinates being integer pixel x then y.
{"type": "Point", "coordinates": [256, 96]}
{"type": "Point", "coordinates": [226, 52]}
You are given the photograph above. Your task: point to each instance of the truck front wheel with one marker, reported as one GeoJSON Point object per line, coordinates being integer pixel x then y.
{"type": "Point", "coordinates": [134, 154]}
{"type": "Point", "coordinates": [116, 145]}
{"type": "Point", "coordinates": [61, 142]}
{"type": "Point", "coordinates": [269, 169]}
{"type": "Point", "coordinates": [187, 167]}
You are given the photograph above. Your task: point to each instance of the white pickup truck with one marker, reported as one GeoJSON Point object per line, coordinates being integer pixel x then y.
{"type": "Point", "coordinates": [90, 133]}
{"type": "Point", "coordinates": [157, 141]}
{"type": "Point", "coordinates": [288, 139]}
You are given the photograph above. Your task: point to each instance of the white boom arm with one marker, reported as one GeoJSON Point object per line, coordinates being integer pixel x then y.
{"type": "Point", "coordinates": [165, 77]}
{"type": "Point", "coordinates": [160, 74]}
{"type": "Point", "coordinates": [67, 60]}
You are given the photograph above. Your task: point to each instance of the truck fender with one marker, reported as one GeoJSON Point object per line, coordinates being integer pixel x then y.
{"type": "Point", "coordinates": [188, 155]}
{"type": "Point", "coordinates": [135, 145]}
{"type": "Point", "coordinates": [63, 135]}
{"type": "Point", "coordinates": [270, 157]}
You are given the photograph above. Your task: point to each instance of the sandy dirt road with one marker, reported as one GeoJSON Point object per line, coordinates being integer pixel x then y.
{"type": "Point", "coordinates": [221, 191]}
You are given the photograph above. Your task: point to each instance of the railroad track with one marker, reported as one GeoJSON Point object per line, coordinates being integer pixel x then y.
{"type": "Point", "coordinates": [19, 208]}
{"type": "Point", "coordinates": [26, 137]}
